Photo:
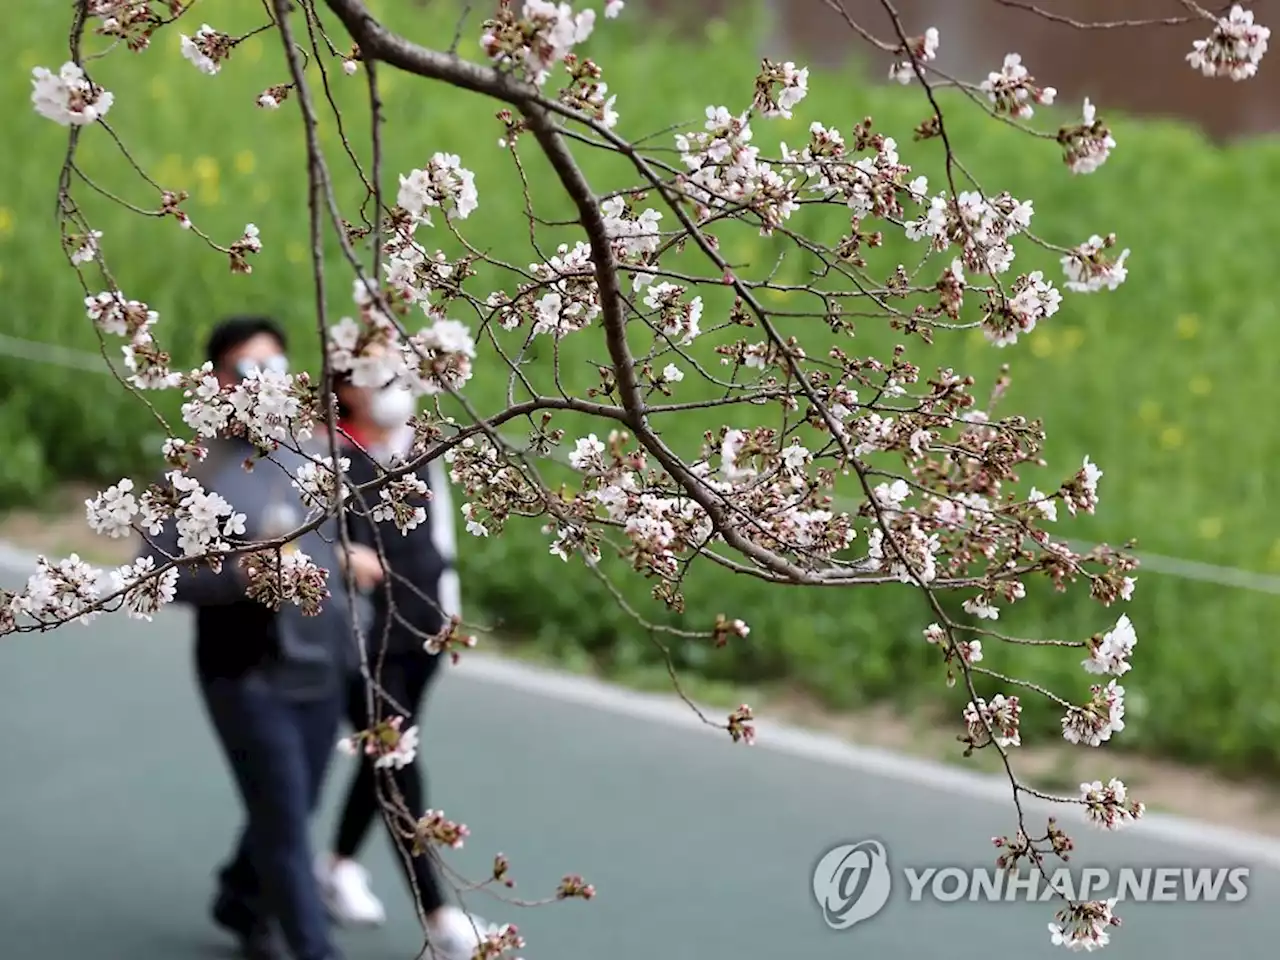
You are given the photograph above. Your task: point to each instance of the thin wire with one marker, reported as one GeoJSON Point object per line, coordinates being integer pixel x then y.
{"type": "Point", "coordinates": [1177, 567]}
{"type": "Point", "coordinates": [52, 354]}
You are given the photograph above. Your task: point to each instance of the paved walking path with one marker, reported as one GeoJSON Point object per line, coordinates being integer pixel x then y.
{"type": "Point", "coordinates": [114, 807]}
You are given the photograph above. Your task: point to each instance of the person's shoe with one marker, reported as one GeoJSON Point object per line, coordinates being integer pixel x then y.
{"type": "Point", "coordinates": [454, 935]}
{"type": "Point", "coordinates": [263, 942]}
{"type": "Point", "coordinates": [344, 885]}
{"type": "Point", "coordinates": [258, 940]}
{"type": "Point", "coordinates": [233, 914]}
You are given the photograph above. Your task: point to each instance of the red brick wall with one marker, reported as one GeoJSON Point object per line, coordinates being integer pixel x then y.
{"type": "Point", "coordinates": [1139, 70]}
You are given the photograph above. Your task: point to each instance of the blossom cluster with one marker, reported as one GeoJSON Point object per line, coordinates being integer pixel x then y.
{"type": "Point", "coordinates": [1109, 652]}
{"type": "Point", "coordinates": [1084, 926]}
{"type": "Point", "coordinates": [996, 722]}
{"type": "Point", "coordinates": [1013, 91]}
{"type": "Point", "coordinates": [587, 93]}
{"type": "Point", "coordinates": [574, 887]}
{"type": "Point", "coordinates": [1109, 806]}
{"type": "Point", "coordinates": [779, 88]}
{"type": "Point", "coordinates": [1234, 49]}
{"type": "Point", "coordinates": [1089, 269]}
{"type": "Point", "coordinates": [385, 743]}
{"type": "Point", "coordinates": [497, 943]}
{"type": "Point", "coordinates": [921, 49]}
{"type": "Point", "coordinates": [449, 640]}
{"type": "Point", "coordinates": [1086, 145]}
{"type": "Point", "coordinates": [207, 49]}
{"type": "Point", "coordinates": [538, 37]}
{"type": "Point", "coordinates": [319, 484]}
{"type": "Point", "coordinates": [278, 577]}
{"type": "Point", "coordinates": [435, 829]}
{"type": "Point", "coordinates": [1095, 722]}
{"type": "Point", "coordinates": [725, 169]}
{"type": "Point", "coordinates": [69, 97]}
{"type": "Point", "coordinates": [131, 21]}
{"type": "Point", "coordinates": [73, 591]}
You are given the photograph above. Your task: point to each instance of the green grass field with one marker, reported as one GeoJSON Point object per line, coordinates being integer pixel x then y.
{"type": "Point", "coordinates": [1165, 383]}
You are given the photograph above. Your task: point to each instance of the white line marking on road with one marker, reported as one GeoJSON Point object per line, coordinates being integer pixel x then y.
{"type": "Point", "coordinates": [17, 560]}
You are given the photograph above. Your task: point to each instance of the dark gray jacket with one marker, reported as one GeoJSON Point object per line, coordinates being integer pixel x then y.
{"type": "Point", "coordinates": [303, 657]}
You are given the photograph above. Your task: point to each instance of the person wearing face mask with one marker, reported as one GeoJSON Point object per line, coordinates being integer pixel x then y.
{"type": "Point", "coordinates": [424, 593]}
{"type": "Point", "coordinates": [272, 682]}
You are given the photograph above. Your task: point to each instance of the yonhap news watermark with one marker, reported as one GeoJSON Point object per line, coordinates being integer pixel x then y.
{"type": "Point", "coordinates": [853, 883]}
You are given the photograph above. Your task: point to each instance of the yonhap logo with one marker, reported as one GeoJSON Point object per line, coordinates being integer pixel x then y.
{"type": "Point", "coordinates": [852, 883]}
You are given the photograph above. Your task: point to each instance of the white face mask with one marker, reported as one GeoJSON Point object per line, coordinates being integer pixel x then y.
{"type": "Point", "coordinates": [392, 407]}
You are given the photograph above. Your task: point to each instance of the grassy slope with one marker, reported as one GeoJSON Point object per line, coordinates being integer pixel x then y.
{"type": "Point", "coordinates": [1163, 383]}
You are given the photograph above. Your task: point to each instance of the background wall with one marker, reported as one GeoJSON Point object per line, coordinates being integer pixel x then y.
{"type": "Point", "coordinates": [1141, 70]}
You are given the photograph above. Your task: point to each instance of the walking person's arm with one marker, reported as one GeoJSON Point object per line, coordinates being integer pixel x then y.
{"type": "Point", "coordinates": [354, 516]}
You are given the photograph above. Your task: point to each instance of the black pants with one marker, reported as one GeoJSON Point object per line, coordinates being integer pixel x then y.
{"type": "Point", "coordinates": [278, 751]}
{"type": "Point", "coordinates": [405, 677]}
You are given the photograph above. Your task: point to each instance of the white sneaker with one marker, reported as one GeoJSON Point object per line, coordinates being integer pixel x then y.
{"type": "Point", "coordinates": [455, 935]}
{"type": "Point", "coordinates": [344, 885]}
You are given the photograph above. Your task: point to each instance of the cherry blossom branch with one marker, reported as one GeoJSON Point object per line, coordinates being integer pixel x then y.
{"type": "Point", "coordinates": [1198, 13]}
{"type": "Point", "coordinates": [755, 499]}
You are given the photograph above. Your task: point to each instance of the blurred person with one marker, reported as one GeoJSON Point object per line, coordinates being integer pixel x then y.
{"type": "Point", "coordinates": [272, 682]}
{"type": "Point", "coordinates": [424, 594]}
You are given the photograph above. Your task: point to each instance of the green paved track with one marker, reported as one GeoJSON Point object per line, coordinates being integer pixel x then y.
{"type": "Point", "coordinates": [114, 808]}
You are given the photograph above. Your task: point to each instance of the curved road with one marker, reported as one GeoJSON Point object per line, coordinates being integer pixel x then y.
{"type": "Point", "coordinates": [114, 807]}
